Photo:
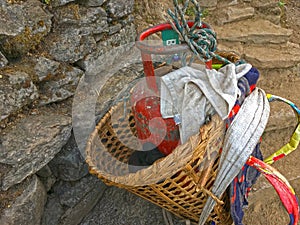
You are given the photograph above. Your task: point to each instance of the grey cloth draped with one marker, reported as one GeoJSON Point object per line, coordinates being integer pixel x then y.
{"type": "Point", "coordinates": [189, 95]}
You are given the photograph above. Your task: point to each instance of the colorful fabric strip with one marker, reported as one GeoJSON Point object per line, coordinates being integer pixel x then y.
{"type": "Point", "coordinates": [283, 188]}
{"type": "Point", "coordinates": [294, 140]}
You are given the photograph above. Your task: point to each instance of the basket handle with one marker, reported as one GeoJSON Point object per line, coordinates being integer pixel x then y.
{"type": "Point", "coordinates": [295, 138]}
{"type": "Point", "coordinates": [281, 185]}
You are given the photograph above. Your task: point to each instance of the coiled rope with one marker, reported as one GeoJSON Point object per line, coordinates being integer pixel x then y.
{"type": "Point", "coordinates": [202, 42]}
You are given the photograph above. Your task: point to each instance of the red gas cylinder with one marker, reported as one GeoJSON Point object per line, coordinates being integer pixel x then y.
{"type": "Point", "coordinates": [150, 125]}
{"type": "Point", "coordinates": [145, 100]}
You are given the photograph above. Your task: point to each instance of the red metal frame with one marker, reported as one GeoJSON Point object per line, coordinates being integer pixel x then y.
{"type": "Point", "coordinates": [147, 50]}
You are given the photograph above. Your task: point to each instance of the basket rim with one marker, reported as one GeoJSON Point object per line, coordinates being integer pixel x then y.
{"type": "Point", "coordinates": [210, 134]}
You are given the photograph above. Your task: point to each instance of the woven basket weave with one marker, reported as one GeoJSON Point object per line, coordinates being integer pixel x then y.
{"type": "Point", "coordinates": [175, 183]}
{"type": "Point", "coordinates": [180, 182]}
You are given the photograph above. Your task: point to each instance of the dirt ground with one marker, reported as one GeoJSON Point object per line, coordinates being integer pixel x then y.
{"type": "Point", "coordinates": [265, 207]}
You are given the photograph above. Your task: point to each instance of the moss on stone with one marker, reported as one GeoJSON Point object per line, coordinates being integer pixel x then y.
{"type": "Point", "coordinates": [21, 44]}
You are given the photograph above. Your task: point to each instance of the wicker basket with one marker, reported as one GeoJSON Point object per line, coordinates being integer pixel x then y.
{"type": "Point", "coordinates": [180, 182]}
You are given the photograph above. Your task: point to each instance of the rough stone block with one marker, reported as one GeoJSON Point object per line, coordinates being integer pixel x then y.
{"type": "Point", "coordinates": [17, 90]}
{"type": "Point", "coordinates": [22, 27]}
{"type": "Point", "coordinates": [89, 20]}
{"type": "Point", "coordinates": [71, 45]}
{"type": "Point", "coordinates": [69, 164]}
{"type": "Point", "coordinates": [28, 207]}
{"type": "Point", "coordinates": [31, 144]}
{"type": "Point", "coordinates": [112, 47]}
{"type": "Point", "coordinates": [53, 211]}
{"type": "Point", "coordinates": [45, 68]}
{"type": "Point", "coordinates": [120, 8]}
{"type": "Point", "coordinates": [235, 13]}
{"type": "Point", "coordinates": [92, 3]}
{"type": "Point", "coordinates": [72, 201]}
{"type": "Point", "coordinates": [60, 85]}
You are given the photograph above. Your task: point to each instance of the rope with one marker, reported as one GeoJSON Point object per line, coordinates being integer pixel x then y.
{"type": "Point", "coordinates": [168, 218]}
{"type": "Point", "coordinates": [202, 41]}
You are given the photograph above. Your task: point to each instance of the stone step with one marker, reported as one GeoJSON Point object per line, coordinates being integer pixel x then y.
{"type": "Point", "coordinates": [254, 31]}
{"type": "Point", "coordinates": [266, 56]}
{"type": "Point", "coordinates": [234, 13]}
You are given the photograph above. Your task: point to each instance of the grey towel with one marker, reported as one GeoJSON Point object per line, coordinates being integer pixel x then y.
{"type": "Point", "coordinates": [189, 95]}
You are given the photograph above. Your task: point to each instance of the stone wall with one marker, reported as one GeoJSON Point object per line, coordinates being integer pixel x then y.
{"type": "Point", "coordinates": [47, 47]}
